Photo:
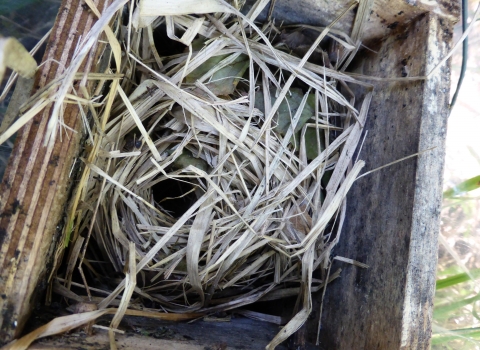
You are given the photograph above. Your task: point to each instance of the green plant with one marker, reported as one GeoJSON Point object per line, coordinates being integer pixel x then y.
{"type": "Point", "coordinates": [456, 318]}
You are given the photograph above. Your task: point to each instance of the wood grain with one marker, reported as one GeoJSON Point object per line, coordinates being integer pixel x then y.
{"type": "Point", "coordinates": [143, 333]}
{"type": "Point", "coordinates": [392, 221]}
{"type": "Point", "coordinates": [385, 16]}
{"type": "Point", "coordinates": [393, 217]}
{"type": "Point", "coordinates": [35, 186]}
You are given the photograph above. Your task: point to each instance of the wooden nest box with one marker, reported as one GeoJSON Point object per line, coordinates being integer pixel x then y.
{"type": "Point", "coordinates": [393, 214]}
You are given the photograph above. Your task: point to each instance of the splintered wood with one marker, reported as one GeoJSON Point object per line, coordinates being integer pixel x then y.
{"type": "Point", "coordinates": [218, 155]}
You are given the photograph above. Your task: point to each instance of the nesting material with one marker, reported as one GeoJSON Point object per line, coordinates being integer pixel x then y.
{"type": "Point", "coordinates": [216, 163]}
{"type": "Point", "coordinates": [13, 55]}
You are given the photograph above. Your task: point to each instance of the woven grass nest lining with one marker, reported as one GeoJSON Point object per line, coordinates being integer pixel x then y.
{"type": "Point", "coordinates": [259, 142]}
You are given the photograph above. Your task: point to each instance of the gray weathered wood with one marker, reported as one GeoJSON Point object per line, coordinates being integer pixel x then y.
{"type": "Point", "coordinates": [392, 219]}
{"type": "Point", "coordinates": [144, 333]}
{"type": "Point", "coordinates": [386, 15]}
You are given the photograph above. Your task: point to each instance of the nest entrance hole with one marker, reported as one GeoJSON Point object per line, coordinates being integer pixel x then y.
{"type": "Point", "coordinates": [175, 197]}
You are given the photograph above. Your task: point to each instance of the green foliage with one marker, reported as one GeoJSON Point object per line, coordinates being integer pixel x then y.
{"type": "Point", "coordinates": [456, 279]}
{"type": "Point", "coordinates": [224, 81]}
{"type": "Point", "coordinates": [287, 109]}
{"type": "Point", "coordinates": [326, 178]}
{"type": "Point", "coordinates": [470, 334]}
{"type": "Point", "coordinates": [186, 159]}
{"type": "Point", "coordinates": [311, 144]}
{"type": "Point", "coordinates": [456, 297]}
{"type": "Point", "coordinates": [285, 113]}
{"type": "Point", "coordinates": [442, 312]}
{"type": "Point", "coordinates": [462, 188]}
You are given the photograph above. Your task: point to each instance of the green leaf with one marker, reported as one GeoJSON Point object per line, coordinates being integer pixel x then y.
{"type": "Point", "coordinates": [326, 178]}
{"type": "Point", "coordinates": [204, 68]}
{"type": "Point", "coordinates": [68, 234]}
{"type": "Point", "coordinates": [198, 44]}
{"type": "Point", "coordinates": [449, 271]}
{"type": "Point", "coordinates": [186, 159]}
{"type": "Point", "coordinates": [475, 313]}
{"type": "Point", "coordinates": [225, 80]}
{"type": "Point", "coordinates": [445, 311]}
{"type": "Point", "coordinates": [465, 186]}
{"type": "Point", "coordinates": [311, 144]}
{"type": "Point", "coordinates": [444, 337]}
{"type": "Point", "coordinates": [287, 109]}
{"type": "Point", "coordinates": [284, 119]}
{"type": "Point", "coordinates": [456, 279]}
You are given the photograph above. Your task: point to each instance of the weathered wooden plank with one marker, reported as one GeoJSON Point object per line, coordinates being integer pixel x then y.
{"type": "Point", "coordinates": [143, 333]}
{"type": "Point", "coordinates": [33, 192]}
{"type": "Point", "coordinates": [392, 220]}
{"type": "Point", "coordinates": [386, 15]}
{"type": "Point", "coordinates": [393, 214]}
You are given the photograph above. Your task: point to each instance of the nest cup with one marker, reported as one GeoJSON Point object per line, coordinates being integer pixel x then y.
{"type": "Point", "coordinates": [225, 164]}
{"type": "Point", "coordinates": [213, 175]}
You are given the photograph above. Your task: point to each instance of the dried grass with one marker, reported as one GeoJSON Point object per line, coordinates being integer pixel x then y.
{"type": "Point", "coordinates": [261, 139]}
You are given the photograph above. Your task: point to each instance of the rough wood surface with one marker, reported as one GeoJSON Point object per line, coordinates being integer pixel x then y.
{"type": "Point", "coordinates": [392, 220]}
{"type": "Point", "coordinates": [143, 333]}
{"type": "Point", "coordinates": [386, 15]}
{"type": "Point", "coordinates": [33, 192]}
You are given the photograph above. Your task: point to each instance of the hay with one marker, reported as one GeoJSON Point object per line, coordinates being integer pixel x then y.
{"type": "Point", "coordinates": [253, 143]}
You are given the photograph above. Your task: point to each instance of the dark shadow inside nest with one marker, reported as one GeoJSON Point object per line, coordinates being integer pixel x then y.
{"type": "Point", "coordinates": [175, 197]}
